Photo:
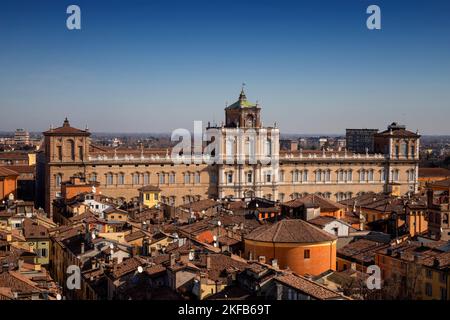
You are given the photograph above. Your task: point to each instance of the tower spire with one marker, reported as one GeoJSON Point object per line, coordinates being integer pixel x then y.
{"type": "Point", "coordinates": [242, 95]}
{"type": "Point", "coordinates": [66, 123]}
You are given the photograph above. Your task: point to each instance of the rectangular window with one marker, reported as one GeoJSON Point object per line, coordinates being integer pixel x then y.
{"type": "Point", "coordinates": [59, 153]}
{"type": "Point", "coordinates": [80, 152]}
{"type": "Point", "coordinates": [428, 289]}
{"type": "Point", "coordinates": [230, 177]}
{"type": "Point", "coordinates": [350, 176]}
{"type": "Point", "coordinates": [43, 252]}
{"type": "Point", "coordinates": [197, 177]}
{"type": "Point", "coordinates": [305, 176]}
{"type": "Point", "coordinates": [306, 254]}
{"type": "Point", "coordinates": [249, 177]}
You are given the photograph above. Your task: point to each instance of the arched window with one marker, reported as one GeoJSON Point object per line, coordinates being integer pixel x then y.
{"type": "Point", "coordinates": [109, 179]}
{"type": "Point", "coordinates": [93, 177]}
{"type": "Point", "coordinates": [136, 178]}
{"type": "Point", "coordinates": [187, 178]}
{"type": "Point", "coordinates": [146, 178]}
{"type": "Point", "coordinates": [295, 176]}
{"type": "Point", "coordinates": [197, 177]}
{"type": "Point", "coordinates": [404, 149]}
{"type": "Point", "coordinates": [121, 178]}
{"type": "Point", "coordinates": [172, 178]}
{"type": "Point", "coordinates": [362, 175]}
{"type": "Point", "coordinates": [370, 175]}
{"type": "Point", "coordinates": [349, 176]}
{"type": "Point", "coordinates": [281, 176]}
{"type": "Point", "coordinates": [58, 180]}
{"type": "Point", "coordinates": [318, 175]}
{"type": "Point", "coordinates": [161, 178]}
{"type": "Point", "coordinates": [341, 175]}
{"type": "Point", "coordinates": [305, 176]}
{"type": "Point", "coordinates": [382, 175]}
{"type": "Point", "coordinates": [328, 175]}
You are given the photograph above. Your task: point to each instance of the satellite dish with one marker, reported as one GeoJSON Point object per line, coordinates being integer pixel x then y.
{"type": "Point", "coordinates": [219, 223]}
{"type": "Point", "coordinates": [140, 269]}
{"type": "Point", "coordinates": [215, 238]}
{"type": "Point", "coordinates": [111, 246]}
{"type": "Point", "coordinates": [58, 297]}
{"type": "Point", "coordinates": [93, 236]}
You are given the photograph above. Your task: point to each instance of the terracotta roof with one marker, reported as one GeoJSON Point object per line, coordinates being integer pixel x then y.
{"type": "Point", "coordinates": [31, 230]}
{"type": "Point", "coordinates": [290, 231]}
{"type": "Point", "coordinates": [433, 172]}
{"type": "Point", "coordinates": [13, 155]}
{"type": "Point", "coordinates": [442, 183]}
{"type": "Point", "coordinates": [155, 270]}
{"type": "Point", "coordinates": [427, 254]}
{"type": "Point", "coordinates": [5, 172]}
{"type": "Point", "coordinates": [17, 282]}
{"type": "Point", "coordinates": [315, 201]}
{"type": "Point", "coordinates": [66, 129]}
{"type": "Point", "coordinates": [397, 133]}
{"type": "Point", "coordinates": [201, 205]}
{"type": "Point", "coordinates": [308, 287]}
{"type": "Point", "coordinates": [127, 266]}
{"type": "Point", "coordinates": [134, 236]}
{"type": "Point", "coordinates": [22, 168]}
{"type": "Point", "coordinates": [361, 250]}
{"type": "Point", "coordinates": [322, 221]}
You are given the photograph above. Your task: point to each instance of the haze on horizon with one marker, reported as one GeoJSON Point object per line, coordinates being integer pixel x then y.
{"type": "Point", "coordinates": [154, 66]}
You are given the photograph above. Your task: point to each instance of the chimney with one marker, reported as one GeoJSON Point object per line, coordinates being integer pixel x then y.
{"type": "Point", "coordinates": [20, 263]}
{"type": "Point", "coordinates": [262, 259]}
{"type": "Point", "coordinates": [115, 263]}
{"type": "Point", "coordinates": [172, 258]}
{"type": "Point", "coordinates": [429, 197]}
{"type": "Point", "coordinates": [208, 262]}
{"type": "Point", "coordinates": [275, 263]}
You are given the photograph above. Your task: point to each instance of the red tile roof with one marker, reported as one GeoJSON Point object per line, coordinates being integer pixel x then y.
{"type": "Point", "coordinates": [290, 231]}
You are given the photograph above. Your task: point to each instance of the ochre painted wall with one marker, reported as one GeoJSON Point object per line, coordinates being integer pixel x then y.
{"type": "Point", "coordinates": [322, 256]}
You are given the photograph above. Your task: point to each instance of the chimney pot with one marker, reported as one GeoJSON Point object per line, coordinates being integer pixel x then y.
{"type": "Point", "coordinates": [208, 262]}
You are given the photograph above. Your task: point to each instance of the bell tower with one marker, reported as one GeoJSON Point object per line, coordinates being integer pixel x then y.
{"type": "Point", "coordinates": [242, 113]}
{"type": "Point", "coordinates": [249, 153]}
{"type": "Point", "coordinates": [66, 144]}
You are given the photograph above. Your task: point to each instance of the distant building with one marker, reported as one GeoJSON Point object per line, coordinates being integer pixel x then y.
{"type": "Point", "coordinates": [360, 140]}
{"type": "Point", "coordinates": [68, 151]}
{"type": "Point", "coordinates": [21, 136]}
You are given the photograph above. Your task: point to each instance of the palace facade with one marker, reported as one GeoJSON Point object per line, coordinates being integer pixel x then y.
{"type": "Point", "coordinates": [120, 172]}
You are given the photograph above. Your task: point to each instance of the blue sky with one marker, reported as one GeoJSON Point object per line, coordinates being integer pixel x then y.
{"type": "Point", "coordinates": [153, 66]}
